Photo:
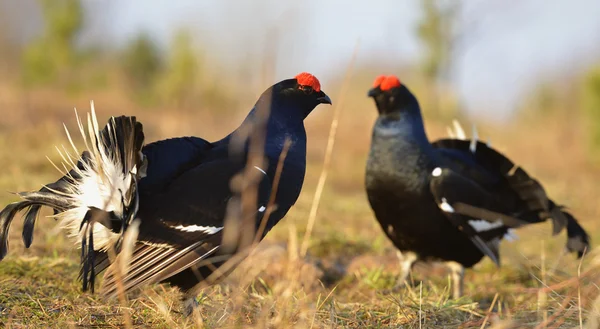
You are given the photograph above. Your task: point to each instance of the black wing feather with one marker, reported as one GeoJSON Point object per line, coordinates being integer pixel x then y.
{"type": "Point", "coordinates": [523, 196]}
{"type": "Point", "coordinates": [198, 197]}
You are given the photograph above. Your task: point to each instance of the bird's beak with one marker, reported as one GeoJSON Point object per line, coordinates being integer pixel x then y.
{"type": "Point", "coordinates": [374, 92]}
{"type": "Point", "coordinates": [324, 99]}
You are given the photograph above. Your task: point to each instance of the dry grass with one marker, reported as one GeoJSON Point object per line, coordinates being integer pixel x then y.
{"type": "Point", "coordinates": [344, 281]}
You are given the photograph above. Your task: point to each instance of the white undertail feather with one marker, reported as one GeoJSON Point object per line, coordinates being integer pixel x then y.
{"type": "Point", "coordinates": [481, 225]}
{"type": "Point", "coordinates": [511, 235]}
{"type": "Point", "coordinates": [457, 132]}
{"type": "Point", "coordinates": [474, 138]}
{"type": "Point", "coordinates": [196, 228]}
{"type": "Point", "coordinates": [445, 206]}
{"type": "Point", "coordinates": [103, 183]}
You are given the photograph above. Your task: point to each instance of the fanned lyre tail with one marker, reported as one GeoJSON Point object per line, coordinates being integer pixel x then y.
{"type": "Point", "coordinates": [103, 180]}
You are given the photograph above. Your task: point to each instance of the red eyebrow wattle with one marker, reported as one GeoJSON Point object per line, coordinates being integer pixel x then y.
{"type": "Point", "coordinates": [307, 79]}
{"type": "Point", "coordinates": [378, 81]}
{"type": "Point", "coordinates": [390, 82]}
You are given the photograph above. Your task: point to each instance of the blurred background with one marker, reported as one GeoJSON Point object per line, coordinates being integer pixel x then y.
{"type": "Point", "coordinates": [196, 68]}
{"type": "Point", "coordinates": [490, 56]}
{"type": "Point", "coordinates": [526, 72]}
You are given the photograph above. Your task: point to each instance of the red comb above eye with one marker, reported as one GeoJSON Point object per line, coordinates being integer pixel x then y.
{"type": "Point", "coordinates": [378, 81]}
{"type": "Point", "coordinates": [390, 82]}
{"type": "Point", "coordinates": [307, 79]}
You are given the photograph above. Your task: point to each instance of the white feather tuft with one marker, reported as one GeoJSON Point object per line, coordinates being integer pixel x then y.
{"type": "Point", "coordinates": [197, 228]}
{"type": "Point", "coordinates": [459, 132]}
{"type": "Point", "coordinates": [481, 225]}
{"type": "Point", "coordinates": [445, 206]}
{"type": "Point", "coordinates": [473, 145]}
{"type": "Point", "coordinates": [103, 184]}
{"type": "Point", "coordinates": [511, 235]}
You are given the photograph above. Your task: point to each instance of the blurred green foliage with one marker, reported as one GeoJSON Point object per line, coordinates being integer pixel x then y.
{"type": "Point", "coordinates": [178, 83]}
{"type": "Point", "coordinates": [52, 56]}
{"type": "Point", "coordinates": [142, 64]}
{"type": "Point", "coordinates": [436, 31]}
{"type": "Point", "coordinates": [542, 101]}
{"type": "Point", "coordinates": [591, 106]}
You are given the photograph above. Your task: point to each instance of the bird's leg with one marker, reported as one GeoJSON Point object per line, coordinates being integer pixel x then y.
{"type": "Point", "coordinates": [457, 272]}
{"type": "Point", "coordinates": [407, 260]}
{"type": "Point", "coordinates": [190, 304]}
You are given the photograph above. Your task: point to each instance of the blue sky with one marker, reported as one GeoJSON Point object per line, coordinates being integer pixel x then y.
{"type": "Point", "coordinates": [509, 44]}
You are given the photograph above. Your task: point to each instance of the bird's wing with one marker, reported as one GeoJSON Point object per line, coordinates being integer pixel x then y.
{"type": "Point", "coordinates": [483, 216]}
{"type": "Point", "coordinates": [185, 225]}
{"type": "Point", "coordinates": [508, 181]}
{"type": "Point", "coordinates": [501, 176]}
{"type": "Point", "coordinates": [169, 158]}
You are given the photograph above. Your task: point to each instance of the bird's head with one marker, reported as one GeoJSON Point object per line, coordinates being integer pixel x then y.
{"type": "Point", "coordinates": [302, 93]}
{"type": "Point", "coordinates": [392, 97]}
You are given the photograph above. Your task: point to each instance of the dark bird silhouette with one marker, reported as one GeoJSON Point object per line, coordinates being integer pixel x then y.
{"type": "Point", "coordinates": [451, 200]}
{"type": "Point", "coordinates": [176, 210]}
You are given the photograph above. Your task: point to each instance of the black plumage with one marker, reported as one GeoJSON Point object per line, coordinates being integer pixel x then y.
{"type": "Point", "coordinates": [451, 200]}
{"type": "Point", "coordinates": [182, 190]}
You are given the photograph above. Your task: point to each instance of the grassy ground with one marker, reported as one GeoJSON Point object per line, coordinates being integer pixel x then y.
{"type": "Point", "coordinates": [346, 280]}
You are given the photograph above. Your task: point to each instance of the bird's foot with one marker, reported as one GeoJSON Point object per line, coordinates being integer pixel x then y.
{"type": "Point", "coordinates": [190, 306]}
{"type": "Point", "coordinates": [400, 284]}
{"type": "Point", "coordinates": [457, 275]}
{"type": "Point", "coordinates": [406, 262]}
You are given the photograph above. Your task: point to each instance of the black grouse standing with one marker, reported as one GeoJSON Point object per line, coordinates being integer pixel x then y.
{"type": "Point", "coordinates": [451, 200]}
{"type": "Point", "coordinates": [180, 189]}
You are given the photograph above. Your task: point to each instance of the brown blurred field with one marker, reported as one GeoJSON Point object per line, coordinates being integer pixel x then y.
{"type": "Point", "coordinates": [347, 276]}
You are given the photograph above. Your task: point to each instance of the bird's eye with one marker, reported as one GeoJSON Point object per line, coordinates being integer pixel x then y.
{"type": "Point", "coordinates": [306, 89]}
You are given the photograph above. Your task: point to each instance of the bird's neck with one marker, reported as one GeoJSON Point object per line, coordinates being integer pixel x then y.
{"type": "Point", "coordinates": [278, 122]}
{"type": "Point", "coordinates": [404, 128]}
{"type": "Point", "coordinates": [399, 146]}
{"type": "Point", "coordinates": [279, 126]}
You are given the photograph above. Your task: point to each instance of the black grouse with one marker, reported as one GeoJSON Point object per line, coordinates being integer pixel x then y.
{"type": "Point", "coordinates": [182, 190]}
{"type": "Point", "coordinates": [451, 200]}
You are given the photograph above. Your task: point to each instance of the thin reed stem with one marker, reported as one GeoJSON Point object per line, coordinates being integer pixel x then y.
{"type": "Point", "coordinates": [328, 151]}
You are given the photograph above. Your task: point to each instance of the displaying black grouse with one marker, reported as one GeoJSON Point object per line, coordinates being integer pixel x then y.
{"type": "Point", "coordinates": [180, 189]}
{"type": "Point", "coordinates": [451, 200]}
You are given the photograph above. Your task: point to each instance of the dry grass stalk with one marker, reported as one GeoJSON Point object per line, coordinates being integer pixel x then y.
{"type": "Point", "coordinates": [328, 151]}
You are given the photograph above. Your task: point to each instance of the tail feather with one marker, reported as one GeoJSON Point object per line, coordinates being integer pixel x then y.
{"type": "Point", "coordinates": [106, 180]}
{"type": "Point", "coordinates": [60, 187]}
{"type": "Point", "coordinates": [29, 223]}
{"type": "Point", "coordinates": [103, 177]}
{"type": "Point", "coordinates": [6, 216]}
{"type": "Point", "coordinates": [30, 199]}
{"type": "Point", "coordinates": [577, 238]}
